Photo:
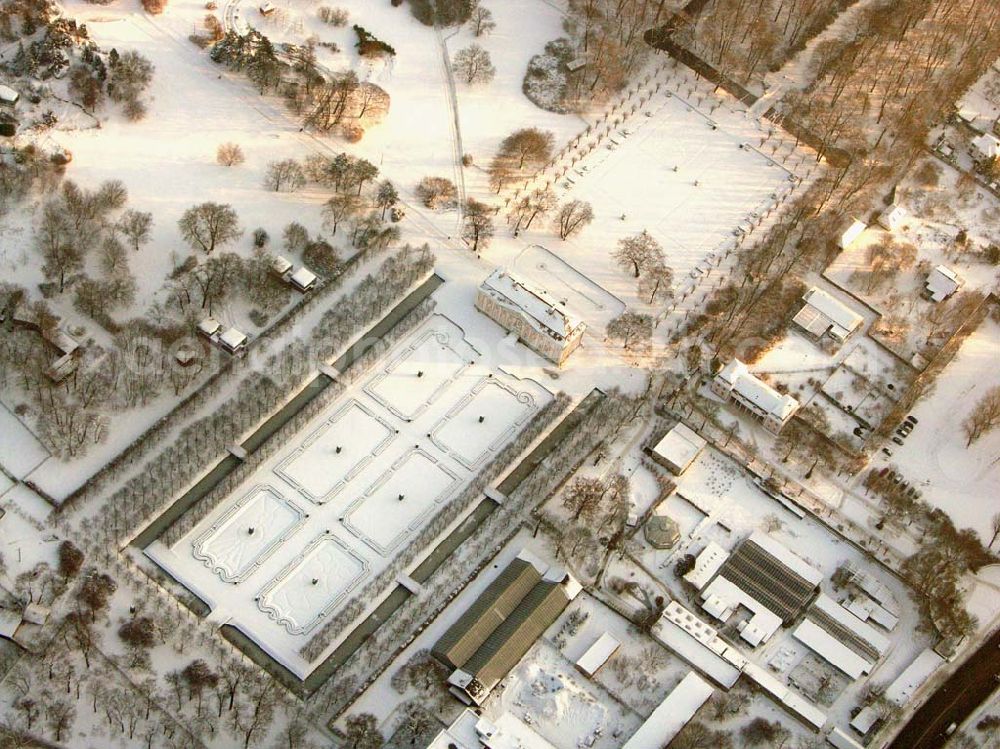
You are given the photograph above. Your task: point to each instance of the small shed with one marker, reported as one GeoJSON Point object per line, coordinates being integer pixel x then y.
{"type": "Point", "coordinates": [941, 283]}
{"type": "Point", "coordinates": [8, 96]}
{"type": "Point", "coordinates": [892, 217]}
{"type": "Point", "coordinates": [281, 265]}
{"type": "Point", "coordinates": [986, 146]}
{"type": "Point", "coordinates": [854, 231]}
{"type": "Point", "coordinates": [36, 613]}
{"type": "Point", "coordinates": [598, 654]}
{"type": "Point", "coordinates": [303, 279]}
{"type": "Point", "coordinates": [209, 327]}
{"type": "Point", "coordinates": [233, 340]}
{"type": "Point", "coordinates": [267, 8]}
{"type": "Point", "coordinates": [678, 448]}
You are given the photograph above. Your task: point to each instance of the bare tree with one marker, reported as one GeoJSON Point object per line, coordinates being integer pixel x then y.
{"type": "Point", "coordinates": [482, 21]}
{"type": "Point", "coordinates": [386, 196]}
{"type": "Point", "coordinates": [631, 328]}
{"type": "Point", "coordinates": [338, 209]}
{"type": "Point", "coordinates": [229, 154]}
{"type": "Point", "coordinates": [478, 228]}
{"type": "Point", "coordinates": [209, 225]}
{"type": "Point", "coordinates": [361, 732]}
{"type": "Point", "coordinates": [473, 65]}
{"type": "Point", "coordinates": [529, 147]}
{"type": "Point", "coordinates": [437, 192]}
{"type": "Point", "coordinates": [583, 498]}
{"type": "Point", "coordinates": [572, 217]}
{"type": "Point", "coordinates": [639, 252]}
{"type": "Point", "coordinates": [286, 174]}
{"type": "Point", "coordinates": [536, 203]}
{"type": "Point", "coordinates": [136, 226]}
{"type": "Point", "coordinates": [985, 416]}
{"type": "Point", "coordinates": [657, 283]}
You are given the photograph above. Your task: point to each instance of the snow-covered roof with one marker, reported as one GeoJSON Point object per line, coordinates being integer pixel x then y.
{"type": "Point", "coordinates": [233, 338]}
{"type": "Point", "coordinates": [696, 642]}
{"type": "Point", "coordinates": [941, 283]}
{"type": "Point", "coordinates": [673, 714]}
{"type": "Point", "coordinates": [841, 740]}
{"type": "Point", "coordinates": [8, 95]}
{"type": "Point", "coordinates": [706, 564]}
{"type": "Point", "coordinates": [10, 620]}
{"type": "Point", "coordinates": [892, 216]}
{"type": "Point", "coordinates": [854, 231]}
{"type": "Point", "coordinates": [913, 676]}
{"type": "Point", "coordinates": [722, 597]}
{"type": "Point", "coordinates": [865, 719]}
{"type": "Point", "coordinates": [535, 304]}
{"type": "Point", "coordinates": [823, 312]}
{"type": "Point", "coordinates": [788, 558]}
{"type": "Point", "coordinates": [598, 653]}
{"type": "Point", "coordinates": [61, 340]}
{"type": "Point", "coordinates": [471, 731]}
{"type": "Point", "coordinates": [36, 613]}
{"type": "Point", "coordinates": [987, 144]}
{"type": "Point", "coordinates": [680, 446]}
{"type": "Point", "coordinates": [303, 278]}
{"type": "Point", "coordinates": [756, 391]}
{"type": "Point", "coordinates": [281, 265]}
{"type": "Point", "coordinates": [831, 649]}
{"type": "Point", "coordinates": [209, 326]}
{"type": "Point", "coordinates": [785, 695]}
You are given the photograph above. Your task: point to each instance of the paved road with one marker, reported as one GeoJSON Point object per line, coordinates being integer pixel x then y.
{"type": "Point", "coordinates": [955, 700]}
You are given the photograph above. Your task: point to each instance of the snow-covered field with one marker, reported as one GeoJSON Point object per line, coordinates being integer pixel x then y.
{"type": "Point", "coordinates": [334, 507]}
{"type": "Point", "coordinates": [960, 480]}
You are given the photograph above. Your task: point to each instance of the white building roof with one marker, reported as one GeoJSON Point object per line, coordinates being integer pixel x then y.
{"type": "Point", "coordinates": [673, 714]}
{"type": "Point", "coordinates": [535, 304]}
{"type": "Point", "coordinates": [913, 677]}
{"type": "Point", "coordinates": [209, 326]}
{"type": "Point", "coordinates": [758, 392]}
{"type": "Point", "coordinates": [841, 740]}
{"type": "Point", "coordinates": [892, 216]}
{"type": "Point", "coordinates": [853, 232]}
{"type": "Point", "coordinates": [680, 446]}
{"type": "Point", "coordinates": [8, 95]}
{"type": "Point", "coordinates": [785, 695]}
{"type": "Point", "coordinates": [788, 558]}
{"type": "Point", "coordinates": [848, 620]}
{"type": "Point", "coordinates": [233, 338]}
{"type": "Point", "coordinates": [281, 265]}
{"type": "Point", "coordinates": [941, 283]}
{"type": "Point", "coordinates": [831, 649]}
{"type": "Point", "coordinates": [865, 719]}
{"type": "Point", "coordinates": [722, 597]}
{"type": "Point", "coordinates": [706, 564]}
{"type": "Point", "coordinates": [824, 312]}
{"type": "Point", "coordinates": [597, 654]}
{"type": "Point", "coordinates": [987, 144]}
{"type": "Point", "coordinates": [303, 278]}
{"type": "Point", "coordinates": [698, 644]}
{"type": "Point", "coordinates": [470, 731]}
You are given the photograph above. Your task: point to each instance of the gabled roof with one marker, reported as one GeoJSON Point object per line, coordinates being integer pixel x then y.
{"type": "Point", "coordinates": [837, 314]}
{"type": "Point", "coordinates": [497, 602]}
{"type": "Point", "coordinates": [756, 391]}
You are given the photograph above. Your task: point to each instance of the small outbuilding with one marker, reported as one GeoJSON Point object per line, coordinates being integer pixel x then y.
{"type": "Point", "coordinates": [824, 316]}
{"type": "Point", "coordinates": [8, 96]}
{"type": "Point", "coordinates": [598, 654]}
{"type": "Point", "coordinates": [678, 448]}
{"type": "Point", "coordinates": [892, 217]}
{"type": "Point", "coordinates": [303, 279]}
{"type": "Point", "coordinates": [233, 340]}
{"type": "Point", "coordinates": [986, 146]}
{"type": "Point", "coordinates": [267, 8]}
{"type": "Point", "coordinates": [209, 327]}
{"type": "Point", "coordinates": [854, 231]}
{"type": "Point", "coordinates": [281, 266]}
{"type": "Point", "coordinates": [941, 283]}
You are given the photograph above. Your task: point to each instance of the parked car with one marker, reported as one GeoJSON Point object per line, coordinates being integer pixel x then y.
{"type": "Point", "coordinates": [902, 432]}
{"type": "Point", "coordinates": [887, 452]}
{"type": "Point", "coordinates": [912, 419]}
{"type": "Point", "coordinates": [898, 440]}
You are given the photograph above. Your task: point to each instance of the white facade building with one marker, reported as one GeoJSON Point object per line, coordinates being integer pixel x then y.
{"type": "Point", "coordinates": [678, 448]}
{"type": "Point", "coordinates": [538, 319]}
{"type": "Point", "coordinates": [735, 382]}
{"type": "Point", "coordinates": [854, 231]}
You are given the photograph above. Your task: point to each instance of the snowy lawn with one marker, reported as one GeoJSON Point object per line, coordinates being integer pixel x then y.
{"type": "Point", "coordinates": [332, 455]}
{"type": "Point", "coordinates": [960, 480]}
{"type": "Point", "coordinates": [20, 450]}
{"type": "Point", "coordinates": [354, 519]}
{"type": "Point", "coordinates": [251, 529]}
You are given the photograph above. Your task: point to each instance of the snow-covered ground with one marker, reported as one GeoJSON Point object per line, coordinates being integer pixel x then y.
{"type": "Point", "coordinates": [960, 480]}
{"type": "Point", "coordinates": [334, 507]}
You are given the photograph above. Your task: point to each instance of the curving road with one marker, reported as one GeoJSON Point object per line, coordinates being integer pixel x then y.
{"type": "Point", "coordinates": [955, 700]}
